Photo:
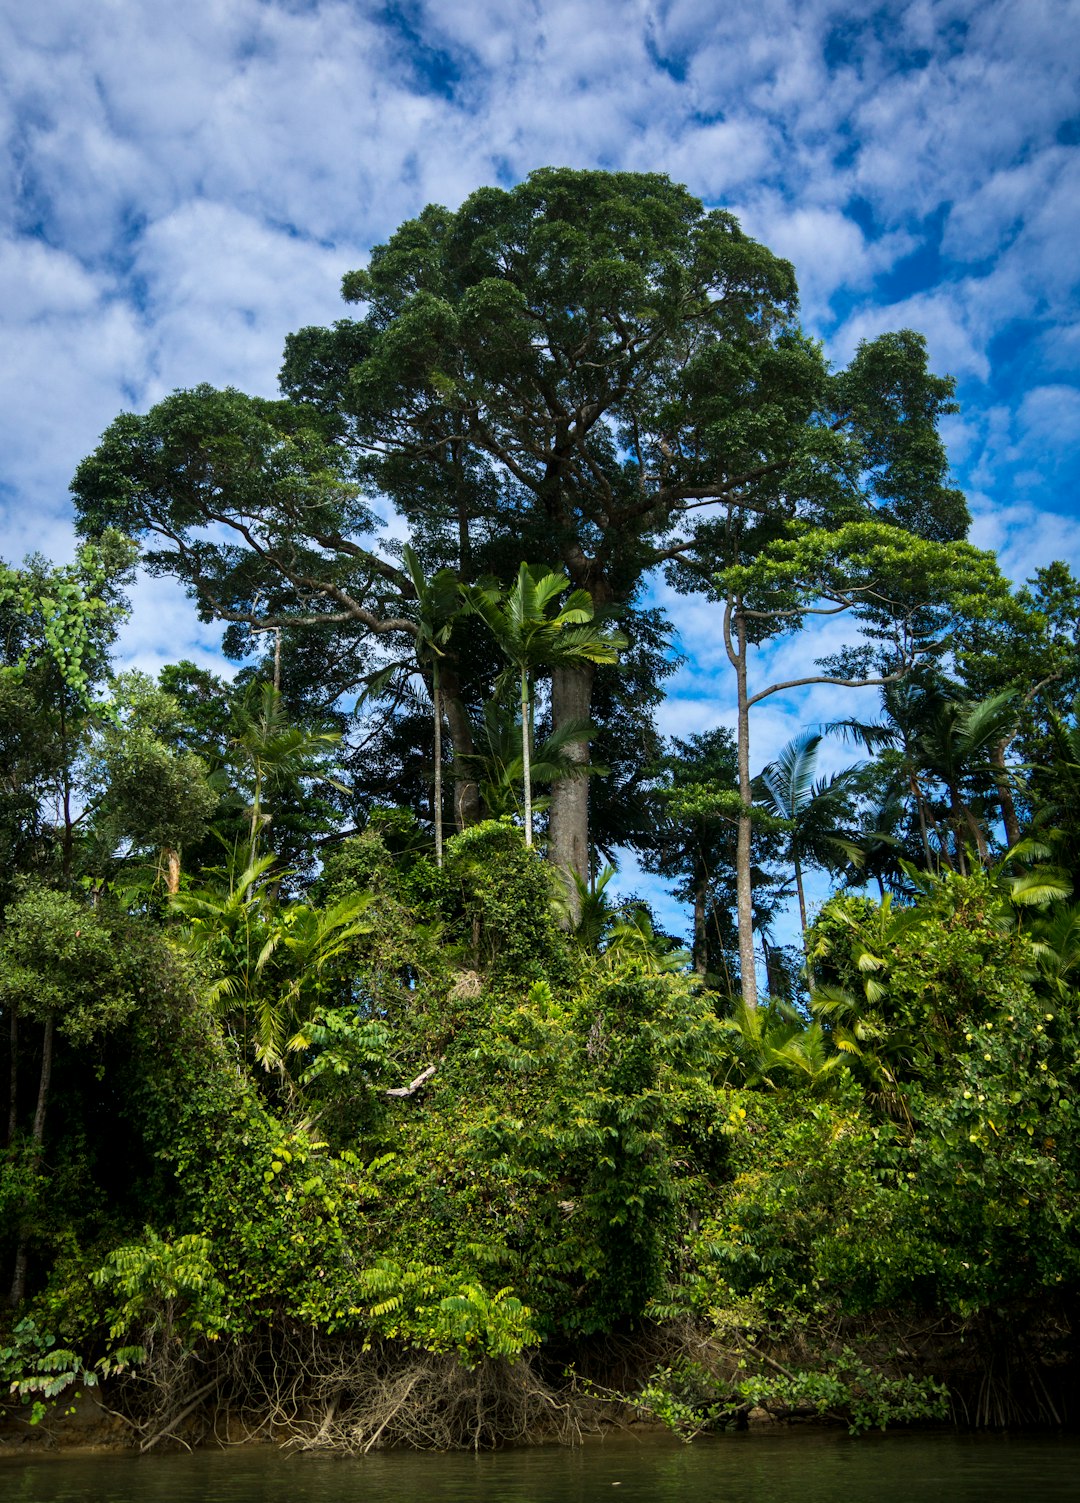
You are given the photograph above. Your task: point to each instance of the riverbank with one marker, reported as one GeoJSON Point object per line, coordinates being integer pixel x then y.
{"type": "Point", "coordinates": [295, 1392]}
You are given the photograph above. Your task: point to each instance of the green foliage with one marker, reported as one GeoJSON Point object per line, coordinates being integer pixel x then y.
{"type": "Point", "coordinates": [147, 789]}
{"type": "Point", "coordinates": [410, 1303]}
{"type": "Point", "coordinates": [37, 1371]}
{"type": "Point", "coordinates": [61, 959]}
{"type": "Point", "coordinates": [504, 896]}
{"type": "Point", "coordinates": [154, 1280]}
{"type": "Point", "coordinates": [867, 1398]}
{"type": "Point", "coordinates": [339, 1088]}
{"type": "Point", "coordinates": [689, 1399]}
{"type": "Point", "coordinates": [591, 1147]}
{"type": "Point", "coordinates": [536, 633]}
{"type": "Point", "coordinates": [271, 964]}
{"type": "Point", "coordinates": [57, 625]}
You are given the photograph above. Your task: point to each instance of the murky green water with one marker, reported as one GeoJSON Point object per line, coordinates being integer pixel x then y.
{"type": "Point", "coordinates": [795, 1468]}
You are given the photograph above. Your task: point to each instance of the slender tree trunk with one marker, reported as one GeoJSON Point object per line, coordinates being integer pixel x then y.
{"type": "Point", "coordinates": [743, 885]}
{"type": "Point", "coordinates": [68, 843]}
{"type": "Point", "coordinates": [13, 1076]}
{"type": "Point", "coordinates": [978, 834]}
{"type": "Point", "coordinates": [18, 1278]}
{"type": "Point", "coordinates": [437, 706]}
{"type": "Point", "coordinates": [467, 807]}
{"type": "Point", "coordinates": [700, 941]}
{"type": "Point", "coordinates": [956, 808]}
{"type": "Point", "coordinates": [801, 891]}
{"type": "Point", "coordinates": [801, 894]}
{"type": "Point", "coordinates": [571, 699]}
{"type": "Point", "coordinates": [172, 870]}
{"type": "Point", "coordinates": [256, 818]}
{"type": "Point", "coordinates": [44, 1081]}
{"type": "Point", "coordinates": [920, 805]}
{"type": "Point", "coordinates": [1005, 797]}
{"type": "Point", "coordinates": [526, 755]}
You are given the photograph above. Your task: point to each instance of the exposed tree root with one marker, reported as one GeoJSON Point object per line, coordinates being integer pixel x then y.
{"type": "Point", "coordinates": [322, 1393]}
{"type": "Point", "coordinates": [311, 1392]}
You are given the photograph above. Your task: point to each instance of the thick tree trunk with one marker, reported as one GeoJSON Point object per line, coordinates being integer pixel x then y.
{"type": "Point", "coordinates": [568, 847]}
{"type": "Point", "coordinates": [743, 885]}
{"type": "Point", "coordinates": [172, 870]}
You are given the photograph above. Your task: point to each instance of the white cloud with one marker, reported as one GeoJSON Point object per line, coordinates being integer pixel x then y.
{"type": "Point", "coordinates": [162, 629]}
{"type": "Point", "coordinates": [955, 347]}
{"type": "Point", "coordinates": [222, 289]}
{"type": "Point", "coordinates": [1050, 417]}
{"type": "Point", "coordinates": [828, 249]}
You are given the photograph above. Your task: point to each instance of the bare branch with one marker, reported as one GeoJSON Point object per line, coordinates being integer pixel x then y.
{"type": "Point", "coordinates": [841, 683]}
{"type": "Point", "coordinates": [413, 1086]}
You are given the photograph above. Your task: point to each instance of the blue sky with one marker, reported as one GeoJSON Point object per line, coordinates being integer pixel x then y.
{"type": "Point", "coordinates": [183, 185]}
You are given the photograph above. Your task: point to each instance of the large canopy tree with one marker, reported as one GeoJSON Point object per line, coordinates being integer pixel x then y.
{"type": "Point", "coordinates": [588, 369]}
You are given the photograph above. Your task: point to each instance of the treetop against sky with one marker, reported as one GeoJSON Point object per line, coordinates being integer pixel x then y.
{"type": "Point", "coordinates": [187, 185]}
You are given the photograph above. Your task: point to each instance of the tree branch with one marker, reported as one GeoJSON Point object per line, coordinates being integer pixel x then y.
{"type": "Point", "coordinates": [413, 1086]}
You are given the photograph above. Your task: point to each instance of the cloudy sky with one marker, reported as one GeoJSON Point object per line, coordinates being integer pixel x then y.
{"type": "Point", "coordinates": [184, 184]}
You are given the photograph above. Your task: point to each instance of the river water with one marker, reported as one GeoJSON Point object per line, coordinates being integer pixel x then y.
{"type": "Point", "coordinates": [800, 1467]}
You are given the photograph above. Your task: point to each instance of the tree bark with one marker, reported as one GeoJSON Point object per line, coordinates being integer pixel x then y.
{"type": "Point", "coordinates": [1005, 797]}
{"type": "Point", "coordinates": [743, 886]}
{"type": "Point", "coordinates": [526, 755]}
{"type": "Point", "coordinates": [568, 847]}
{"type": "Point", "coordinates": [18, 1278]}
{"type": "Point", "coordinates": [700, 942]}
{"type": "Point", "coordinates": [958, 811]}
{"type": "Point", "coordinates": [467, 807]}
{"type": "Point", "coordinates": [920, 805]}
{"type": "Point", "coordinates": [172, 870]}
{"type": "Point", "coordinates": [13, 1077]}
{"type": "Point", "coordinates": [436, 702]}
{"type": "Point", "coordinates": [801, 894]}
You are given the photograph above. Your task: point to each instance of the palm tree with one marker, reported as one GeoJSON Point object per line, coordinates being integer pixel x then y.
{"type": "Point", "coordinates": [273, 755]}
{"type": "Point", "coordinates": [948, 753]}
{"type": "Point", "coordinates": [595, 910]}
{"type": "Point", "coordinates": [962, 745]}
{"type": "Point", "coordinates": [875, 848]}
{"type": "Point", "coordinates": [776, 1040]}
{"type": "Point", "coordinates": [621, 935]}
{"type": "Point", "coordinates": [787, 790]}
{"type": "Point", "coordinates": [535, 634]}
{"type": "Point", "coordinates": [499, 767]}
{"type": "Point", "coordinates": [271, 960]}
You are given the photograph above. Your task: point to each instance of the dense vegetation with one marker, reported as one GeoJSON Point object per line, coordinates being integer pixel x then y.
{"type": "Point", "coordinates": [342, 1095]}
